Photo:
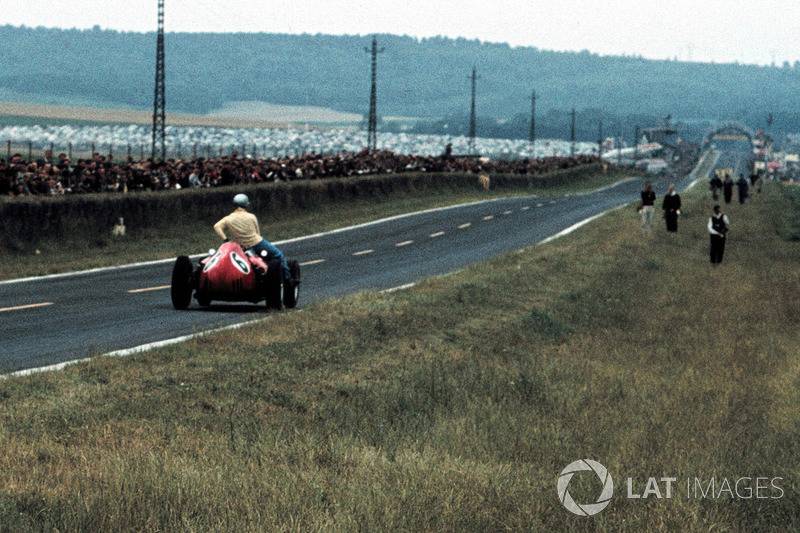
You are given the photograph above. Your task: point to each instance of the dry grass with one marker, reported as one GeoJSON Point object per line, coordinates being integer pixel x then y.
{"type": "Point", "coordinates": [452, 406]}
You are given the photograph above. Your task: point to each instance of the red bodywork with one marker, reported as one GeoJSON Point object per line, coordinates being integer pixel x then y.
{"type": "Point", "coordinates": [230, 275]}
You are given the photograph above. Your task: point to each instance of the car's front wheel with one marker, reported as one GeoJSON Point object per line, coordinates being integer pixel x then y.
{"type": "Point", "coordinates": [181, 289]}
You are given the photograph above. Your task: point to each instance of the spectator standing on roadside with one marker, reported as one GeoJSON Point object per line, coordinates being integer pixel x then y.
{"type": "Point", "coordinates": [718, 226]}
{"type": "Point", "coordinates": [742, 186]}
{"type": "Point", "coordinates": [672, 208]}
{"type": "Point", "coordinates": [727, 188]}
{"type": "Point", "coordinates": [647, 208]}
{"type": "Point", "coordinates": [716, 185]}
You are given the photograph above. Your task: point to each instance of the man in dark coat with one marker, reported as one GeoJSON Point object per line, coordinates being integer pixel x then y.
{"type": "Point", "coordinates": [716, 185]}
{"type": "Point", "coordinates": [672, 208]}
{"type": "Point", "coordinates": [727, 188]}
{"type": "Point", "coordinates": [743, 187]}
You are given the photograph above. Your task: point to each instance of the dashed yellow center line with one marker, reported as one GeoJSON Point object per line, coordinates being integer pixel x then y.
{"type": "Point", "coordinates": [147, 289]}
{"type": "Point", "coordinates": [488, 217]}
{"type": "Point", "coordinates": [29, 306]}
{"type": "Point", "coordinates": [465, 226]}
{"type": "Point", "coordinates": [437, 234]}
{"type": "Point", "coordinates": [364, 252]}
{"type": "Point", "coordinates": [314, 262]}
{"type": "Point", "coordinates": [405, 243]}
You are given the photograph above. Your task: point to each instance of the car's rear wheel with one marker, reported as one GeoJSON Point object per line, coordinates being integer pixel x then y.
{"type": "Point", "coordinates": [272, 284]}
{"type": "Point", "coordinates": [291, 289]}
{"type": "Point", "coordinates": [181, 289]}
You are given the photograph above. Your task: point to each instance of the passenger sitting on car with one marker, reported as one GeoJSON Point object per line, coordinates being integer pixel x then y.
{"type": "Point", "coordinates": [243, 230]}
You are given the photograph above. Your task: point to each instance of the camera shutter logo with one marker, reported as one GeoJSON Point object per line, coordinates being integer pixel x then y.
{"type": "Point", "coordinates": [585, 509]}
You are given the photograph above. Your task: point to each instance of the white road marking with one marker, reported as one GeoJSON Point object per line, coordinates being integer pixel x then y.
{"type": "Point", "coordinates": [29, 306]}
{"type": "Point", "coordinates": [133, 291]}
{"type": "Point", "coordinates": [406, 243]}
{"type": "Point", "coordinates": [489, 217]}
{"type": "Point", "coordinates": [539, 205]}
{"type": "Point", "coordinates": [552, 202]}
{"type": "Point", "coordinates": [364, 252]}
{"type": "Point", "coordinates": [130, 351]}
{"type": "Point", "coordinates": [507, 212]}
{"type": "Point", "coordinates": [314, 262]}
{"type": "Point", "coordinates": [526, 208]}
{"type": "Point", "coordinates": [437, 234]}
{"type": "Point", "coordinates": [400, 288]}
{"type": "Point", "coordinates": [465, 226]}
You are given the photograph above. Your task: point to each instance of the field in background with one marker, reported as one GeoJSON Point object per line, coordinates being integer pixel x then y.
{"type": "Point", "coordinates": [452, 406]}
{"type": "Point", "coordinates": [264, 117]}
{"type": "Point", "coordinates": [288, 114]}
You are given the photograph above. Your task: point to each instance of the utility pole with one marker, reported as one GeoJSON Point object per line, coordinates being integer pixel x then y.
{"type": "Point", "coordinates": [472, 114]}
{"type": "Point", "coordinates": [635, 144]}
{"type": "Point", "coordinates": [372, 123]}
{"type": "Point", "coordinates": [572, 134]}
{"type": "Point", "coordinates": [619, 149]}
{"type": "Point", "coordinates": [533, 118]}
{"type": "Point", "coordinates": [600, 139]}
{"type": "Point", "coordinates": [159, 104]}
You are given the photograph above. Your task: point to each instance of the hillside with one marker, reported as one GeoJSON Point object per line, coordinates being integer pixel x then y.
{"type": "Point", "coordinates": [417, 78]}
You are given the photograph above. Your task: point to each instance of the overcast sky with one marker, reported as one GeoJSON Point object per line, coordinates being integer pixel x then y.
{"type": "Point", "coordinates": [747, 31]}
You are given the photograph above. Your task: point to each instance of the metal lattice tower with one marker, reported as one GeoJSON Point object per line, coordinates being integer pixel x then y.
{"type": "Point", "coordinates": [159, 101]}
{"type": "Point", "coordinates": [572, 134]}
{"type": "Point", "coordinates": [472, 114]}
{"type": "Point", "coordinates": [532, 137]}
{"type": "Point", "coordinates": [372, 124]}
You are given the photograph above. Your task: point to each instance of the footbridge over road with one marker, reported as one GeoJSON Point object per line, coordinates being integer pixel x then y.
{"type": "Point", "coordinates": [730, 130]}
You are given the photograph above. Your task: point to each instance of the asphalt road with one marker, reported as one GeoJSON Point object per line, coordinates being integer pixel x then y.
{"type": "Point", "coordinates": [56, 319]}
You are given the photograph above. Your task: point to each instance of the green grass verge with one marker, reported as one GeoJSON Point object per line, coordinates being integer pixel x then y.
{"type": "Point", "coordinates": [177, 235]}
{"type": "Point", "coordinates": [451, 406]}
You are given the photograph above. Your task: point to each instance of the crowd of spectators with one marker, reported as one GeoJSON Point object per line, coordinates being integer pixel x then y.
{"type": "Point", "coordinates": [59, 175]}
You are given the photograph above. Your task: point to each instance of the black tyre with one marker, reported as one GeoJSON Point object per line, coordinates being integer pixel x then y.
{"type": "Point", "coordinates": [182, 282]}
{"type": "Point", "coordinates": [291, 289]}
{"type": "Point", "coordinates": [272, 284]}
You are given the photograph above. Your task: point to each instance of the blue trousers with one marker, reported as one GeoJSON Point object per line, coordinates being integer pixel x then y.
{"type": "Point", "coordinates": [272, 252]}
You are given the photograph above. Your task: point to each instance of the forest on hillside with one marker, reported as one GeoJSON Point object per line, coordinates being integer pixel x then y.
{"type": "Point", "coordinates": [427, 78]}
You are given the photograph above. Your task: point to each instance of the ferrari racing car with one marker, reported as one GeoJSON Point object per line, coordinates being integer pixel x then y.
{"type": "Point", "coordinates": [232, 275]}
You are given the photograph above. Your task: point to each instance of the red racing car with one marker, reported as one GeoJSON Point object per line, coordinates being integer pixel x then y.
{"type": "Point", "coordinates": [232, 275]}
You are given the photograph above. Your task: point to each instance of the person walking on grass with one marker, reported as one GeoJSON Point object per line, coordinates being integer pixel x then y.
{"type": "Point", "coordinates": [715, 184]}
{"type": "Point", "coordinates": [727, 188]}
{"type": "Point", "coordinates": [647, 208]}
{"type": "Point", "coordinates": [743, 187]}
{"type": "Point", "coordinates": [672, 208]}
{"type": "Point", "coordinates": [718, 226]}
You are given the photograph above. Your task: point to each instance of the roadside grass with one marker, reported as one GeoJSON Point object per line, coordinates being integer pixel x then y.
{"type": "Point", "coordinates": [178, 235]}
{"type": "Point", "coordinates": [451, 406]}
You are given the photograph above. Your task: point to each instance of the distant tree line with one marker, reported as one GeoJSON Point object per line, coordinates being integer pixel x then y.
{"type": "Point", "coordinates": [416, 78]}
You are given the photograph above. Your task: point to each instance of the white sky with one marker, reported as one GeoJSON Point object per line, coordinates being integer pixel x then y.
{"type": "Point", "coordinates": [748, 31]}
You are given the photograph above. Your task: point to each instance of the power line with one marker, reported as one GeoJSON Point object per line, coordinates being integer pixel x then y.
{"type": "Point", "coordinates": [475, 78]}
{"type": "Point", "coordinates": [572, 134]}
{"type": "Point", "coordinates": [532, 137]}
{"type": "Point", "coordinates": [372, 122]}
{"type": "Point", "coordinates": [159, 100]}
